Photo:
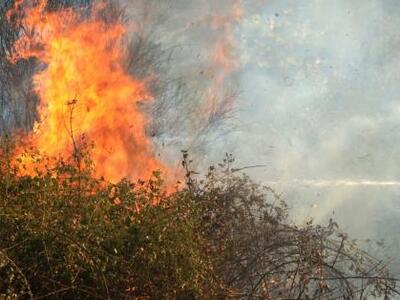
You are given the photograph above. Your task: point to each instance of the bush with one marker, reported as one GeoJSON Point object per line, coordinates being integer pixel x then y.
{"type": "Point", "coordinates": [66, 234]}
{"type": "Point", "coordinates": [259, 254]}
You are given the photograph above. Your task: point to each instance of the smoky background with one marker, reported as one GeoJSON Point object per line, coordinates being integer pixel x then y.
{"type": "Point", "coordinates": [307, 88]}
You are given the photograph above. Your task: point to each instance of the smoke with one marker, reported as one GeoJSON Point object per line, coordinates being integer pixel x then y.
{"type": "Point", "coordinates": [198, 71]}
{"type": "Point", "coordinates": [339, 183]}
{"type": "Point", "coordinates": [320, 106]}
{"type": "Point", "coordinates": [309, 88]}
{"type": "Point", "coordinates": [317, 102]}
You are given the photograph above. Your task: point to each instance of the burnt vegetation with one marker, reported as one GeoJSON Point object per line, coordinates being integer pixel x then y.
{"type": "Point", "coordinates": [65, 234]}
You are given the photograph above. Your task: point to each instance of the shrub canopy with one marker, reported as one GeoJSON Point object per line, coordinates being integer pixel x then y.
{"type": "Point", "coordinates": [66, 234]}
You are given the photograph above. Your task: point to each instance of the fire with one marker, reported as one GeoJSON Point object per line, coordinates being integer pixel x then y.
{"type": "Point", "coordinates": [224, 60]}
{"type": "Point", "coordinates": [85, 91]}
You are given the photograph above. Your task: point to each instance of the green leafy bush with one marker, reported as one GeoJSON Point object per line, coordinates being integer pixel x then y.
{"type": "Point", "coordinates": [67, 235]}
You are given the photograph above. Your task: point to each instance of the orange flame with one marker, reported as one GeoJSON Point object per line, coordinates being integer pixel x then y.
{"type": "Point", "coordinates": [85, 91]}
{"type": "Point", "coordinates": [224, 60]}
